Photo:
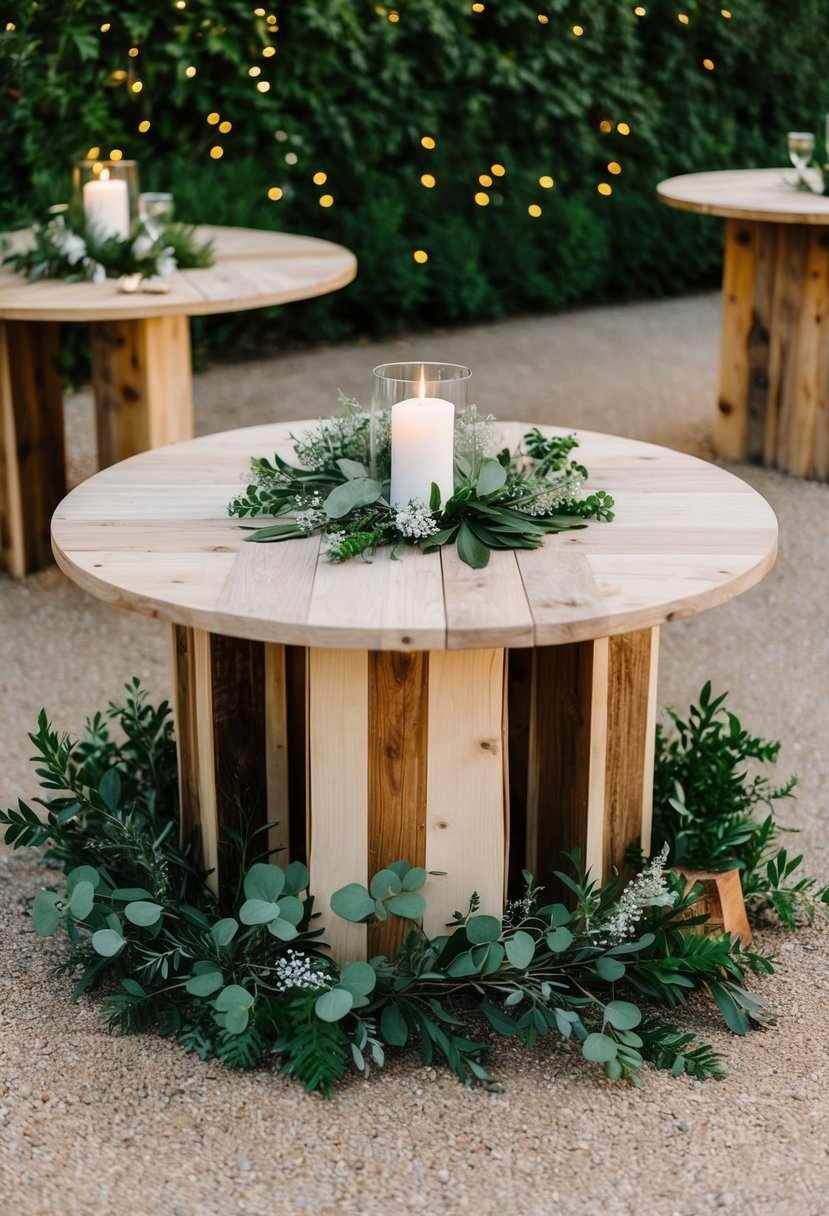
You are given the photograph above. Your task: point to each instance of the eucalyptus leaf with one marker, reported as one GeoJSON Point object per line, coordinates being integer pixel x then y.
{"type": "Point", "coordinates": [360, 492]}
{"type": "Point", "coordinates": [520, 950]}
{"type": "Point", "coordinates": [233, 994]}
{"type": "Point", "coordinates": [559, 939]}
{"type": "Point", "coordinates": [143, 913]}
{"type": "Point", "coordinates": [414, 878]}
{"type": "Point", "coordinates": [409, 905]}
{"type": "Point", "coordinates": [599, 1048]}
{"type": "Point", "coordinates": [82, 874]}
{"type": "Point", "coordinates": [296, 878]}
{"type": "Point", "coordinates": [622, 1015]}
{"type": "Point", "coordinates": [45, 913]}
{"type": "Point", "coordinates": [82, 900]}
{"type": "Point", "coordinates": [385, 883]}
{"type": "Point", "coordinates": [393, 1026]}
{"type": "Point", "coordinates": [352, 903]}
{"type": "Point", "coordinates": [352, 468]}
{"type": "Point", "coordinates": [492, 477]}
{"type": "Point", "coordinates": [359, 978]}
{"type": "Point", "coordinates": [609, 969]}
{"type": "Point", "coordinates": [258, 912]}
{"type": "Point", "coordinates": [110, 789]}
{"type": "Point", "coordinates": [224, 931]}
{"type": "Point", "coordinates": [107, 943]}
{"type": "Point", "coordinates": [236, 1019]}
{"type": "Point", "coordinates": [480, 929]}
{"type": "Point", "coordinates": [283, 929]}
{"type": "Point", "coordinates": [333, 1004]}
{"type": "Point", "coordinates": [291, 909]}
{"type": "Point", "coordinates": [264, 882]}
{"type": "Point", "coordinates": [205, 984]}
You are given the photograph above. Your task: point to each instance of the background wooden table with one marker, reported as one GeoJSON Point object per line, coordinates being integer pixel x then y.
{"type": "Point", "coordinates": [773, 405]}
{"type": "Point", "coordinates": [472, 721]}
{"type": "Point", "coordinates": [141, 363]}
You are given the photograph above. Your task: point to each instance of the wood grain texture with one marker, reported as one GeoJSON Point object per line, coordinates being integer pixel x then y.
{"type": "Point", "coordinates": [338, 787]}
{"type": "Point", "coordinates": [32, 448]}
{"type": "Point", "coordinates": [466, 829]}
{"type": "Point", "coordinates": [631, 722]}
{"type": "Point", "coordinates": [398, 690]}
{"type": "Point", "coordinates": [143, 385]}
{"type": "Point", "coordinates": [721, 900]}
{"type": "Point", "coordinates": [741, 250]}
{"type": "Point", "coordinates": [805, 337]}
{"type": "Point", "coordinates": [253, 269]}
{"type": "Point", "coordinates": [153, 535]}
{"type": "Point", "coordinates": [184, 713]}
{"type": "Point", "coordinates": [747, 194]}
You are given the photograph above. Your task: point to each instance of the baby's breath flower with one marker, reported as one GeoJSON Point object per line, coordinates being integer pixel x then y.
{"type": "Point", "coordinates": [415, 521]}
{"type": "Point", "coordinates": [647, 890]}
{"type": "Point", "coordinates": [293, 969]}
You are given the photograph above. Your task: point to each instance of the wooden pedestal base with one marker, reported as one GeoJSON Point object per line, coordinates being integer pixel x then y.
{"type": "Point", "coordinates": [773, 406]}
{"type": "Point", "coordinates": [365, 757]}
{"type": "Point", "coordinates": [721, 901]}
{"type": "Point", "coordinates": [32, 459]}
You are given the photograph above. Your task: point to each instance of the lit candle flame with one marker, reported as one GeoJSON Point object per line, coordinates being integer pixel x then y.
{"type": "Point", "coordinates": [104, 175]}
{"type": "Point", "coordinates": [422, 391]}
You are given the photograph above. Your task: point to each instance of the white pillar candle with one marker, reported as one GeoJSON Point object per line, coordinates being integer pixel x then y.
{"type": "Point", "coordinates": [422, 448]}
{"type": "Point", "coordinates": [106, 206]}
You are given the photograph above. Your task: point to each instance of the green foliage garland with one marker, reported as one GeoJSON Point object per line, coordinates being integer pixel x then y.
{"type": "Point", "coordinates": [255, 983]}
{"type": "Point", "coordinates": [509, 501]}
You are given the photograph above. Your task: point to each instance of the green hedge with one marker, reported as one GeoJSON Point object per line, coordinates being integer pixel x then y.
{"type": "Point", "coordinates": [353, 87]}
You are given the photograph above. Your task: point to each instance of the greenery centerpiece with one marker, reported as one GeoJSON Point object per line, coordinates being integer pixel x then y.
{"type": "Point", "coordinates": [340, 488]}
{"type": "Point", "coordinates": [66, 246]}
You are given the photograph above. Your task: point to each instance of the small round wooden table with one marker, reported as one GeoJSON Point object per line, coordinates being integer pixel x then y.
{"type": "Point", "coordinates": [773, 403]}
{"type": "Point", "coordinates": [141, 365]}
{"type": "Point", "coordinates": [472, 721]}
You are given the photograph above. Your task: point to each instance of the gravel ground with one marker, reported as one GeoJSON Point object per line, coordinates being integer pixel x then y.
{"type": "Point", "coordinates": [91, 1124]}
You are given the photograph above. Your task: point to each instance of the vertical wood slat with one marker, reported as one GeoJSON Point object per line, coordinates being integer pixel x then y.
{"type": "Point", "coordinates": [277, 762]}
{"type": "Point", "coordinates": [820, 460]}
{"type": "Point", "coordinates": [631, 723]}
{"type": "Point", "coordinates": [758, 342]}
{"type": "Point", "coordinates": [142, 379]}
{"type": "Point", "coordinates": [466, 832]}
{"type": "Point", "coordinates": [338, 786]}
{"type": "Point", "coordinates": [731, 420]}
{"type": "Point", "coordinates": [566, 758]}
{"type": "Point", "coordinates": [398, 685]}
{"type": "Point", "coordinates": [184, 712]}
{"type": "Point", "coordinates": [807, 334]}
{"type": "Point", "coordinates": [32, 445]}
{"type": "Point", "coordinates": [790, 267]}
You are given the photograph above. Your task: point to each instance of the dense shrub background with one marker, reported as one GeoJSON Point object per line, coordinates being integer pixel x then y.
{"type": "Point", "coordinates": [353, 88]}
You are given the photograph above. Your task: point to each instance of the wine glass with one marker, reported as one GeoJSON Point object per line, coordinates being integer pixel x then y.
{"type": "Point", "coordinates": [801, 148]}
{"type": "Point", "coordinates": [155, 211]}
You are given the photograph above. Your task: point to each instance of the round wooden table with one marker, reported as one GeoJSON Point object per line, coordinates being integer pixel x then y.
{"type": "Point", "coordinates": [141, 364]}
{"type": "Point", "coordinates": [773, 403]}
{"type": "Point", "coordinates": [472, 721]}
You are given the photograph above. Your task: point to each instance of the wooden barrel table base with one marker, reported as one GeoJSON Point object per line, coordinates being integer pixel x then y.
{"type": "Point", "coordinates": [475, 722]}
{"type": "Point", "coordinates": [773, 395]}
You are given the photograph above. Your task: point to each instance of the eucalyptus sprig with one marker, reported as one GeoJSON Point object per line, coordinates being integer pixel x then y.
{"type": "Point", "coordinates": [506, 501]}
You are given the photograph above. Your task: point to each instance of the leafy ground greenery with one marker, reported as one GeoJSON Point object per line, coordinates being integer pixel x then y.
{"type": "Point", "coordinates": [589, 95]}
{"type": "Point", "coordinates": [252, 982]}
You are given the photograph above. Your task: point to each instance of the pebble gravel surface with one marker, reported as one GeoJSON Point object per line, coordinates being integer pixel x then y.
{"type": "Point", "coordinates": [92, 1124]}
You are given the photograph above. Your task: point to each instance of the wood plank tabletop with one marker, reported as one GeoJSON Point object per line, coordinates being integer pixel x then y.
{"type": "Point", "coordinates": [252, 269]}
{"type": "Point", "coordinates": [748, 194]}
{"type": "Point", "coordinates": [152, 534]}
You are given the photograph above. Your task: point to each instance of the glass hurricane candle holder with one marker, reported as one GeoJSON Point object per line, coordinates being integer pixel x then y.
{"type": "Point", "coordinates": [105, 192]}
{"type": "Point", "coordinates": [155, 210]}
{"type": "Point", "coordinates": [422, 399]}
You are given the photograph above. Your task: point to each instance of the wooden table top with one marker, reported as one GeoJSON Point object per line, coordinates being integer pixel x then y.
{"type": "Point", "coordinates": [252, 269]}
{"type": "Point", "coordinates": [747, 194]}
{"type": "Point", "coordinates": [152, 534]}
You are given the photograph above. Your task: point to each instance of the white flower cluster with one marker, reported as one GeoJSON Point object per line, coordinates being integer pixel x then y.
{"type": "Point", "coordinates": [415, 521]}
{"type": "Point", "coordinates": [474, 435]}
{"type": "Point", "coordinates": [293, 969]}
{"type": "Point", "coordinates": [309, 514]}
{"type": "Point", "coordinates": [346, 435]}
{"type": "Point", "coordinates": [557, 496]}
{"type": "Point", "coordinates": [73, 248]}
{"type": "Point", "coordinates": [647, 890]}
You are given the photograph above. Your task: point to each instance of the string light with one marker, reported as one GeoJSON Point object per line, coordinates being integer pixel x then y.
{"type": "Point", "coordinates": [105, 28]}
{"type": "Point", "coordinates": [534, 210]}
{"type": "Point", "coordinates": [280, 136]}
{"type": "Point", "coordinates": [271, 20]}
{"type": "Point", "coordinates": [420, 256]}
{"type": "Point", "coordinates": [682, 18]}
{"type": "Point", "coordinates": [180, 4]}
{"type": "Point", "coordinates": [708, 64]}
{"type": "Point", "coordinates": [213, 118]}
{"type": "Point", "coordinates": [275, 193]}
{"type": "Point", "coordinates": [497, 170]}
{"type": "Point", "coordinates": [614, 167]}
{"type": "Point", "coordinates": [605, 126]}
{"type": "Point", "coordinates": [119, 76]}
{"type": "Point", "coordinates": [394, 16]}
{"type": "Point", "coordinates": [427, 141]}
{"type": "Point", "coordinates": [225, 126]}
{"type": "Point", "coordinates": [485, 179]}
{"type": "Point", "coordinates": [116, 154]}
{"type": "Point", "coordinates": [478, 8]}
{"type": "Point", "coordinates": [578, 30]}
{"type": "Point", "coordinates": [623, 128]}
{"type": "Point", "coordinates": [291, 158]}
{"type": "Point", "coordinates": [263, 86]}
{"type": "Point", "coordinates": [259, 12]}
{"type": "Point", "coordinates": [254, 71]}
{"type": "Point", "coordinates": [482, 199]}
{"type": "Point", "coordinates": [93, 154]}
{"type": "Point", "coordinates": [132, 52]}
{"type": "Point", "coordinates": [546, 182]}
{"type": "Point", "coordinates": [639, 11]}
{"type": "Point", "coordinates": [190, 72]}
{"type": "Point", "coordinates": [604, 188]}
{"type": "Point", "coordinates": [320, 179]}
{"type": "Point", "coordinates": [543, 19]}
{"type": "Point", "coordinates": [427, 180]}
{"type": "Point", "coordinates": [268, 51]}
{"type": "Point", "coordinates": [217, 152]}
{"type": "Point", "coordinates": [326, 200]}
{"type": "Point", "coordinates": [144, 126]}
{"type": "Point", "coordinates": [725, 12]}
{"type": "Point", "coordinates": [136, 86]}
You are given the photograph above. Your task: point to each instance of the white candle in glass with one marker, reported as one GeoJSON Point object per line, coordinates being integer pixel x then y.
{"type": "Point", "coordinates": [422, 447]}
{"type": "Point", "coordinates": [106, 206]}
